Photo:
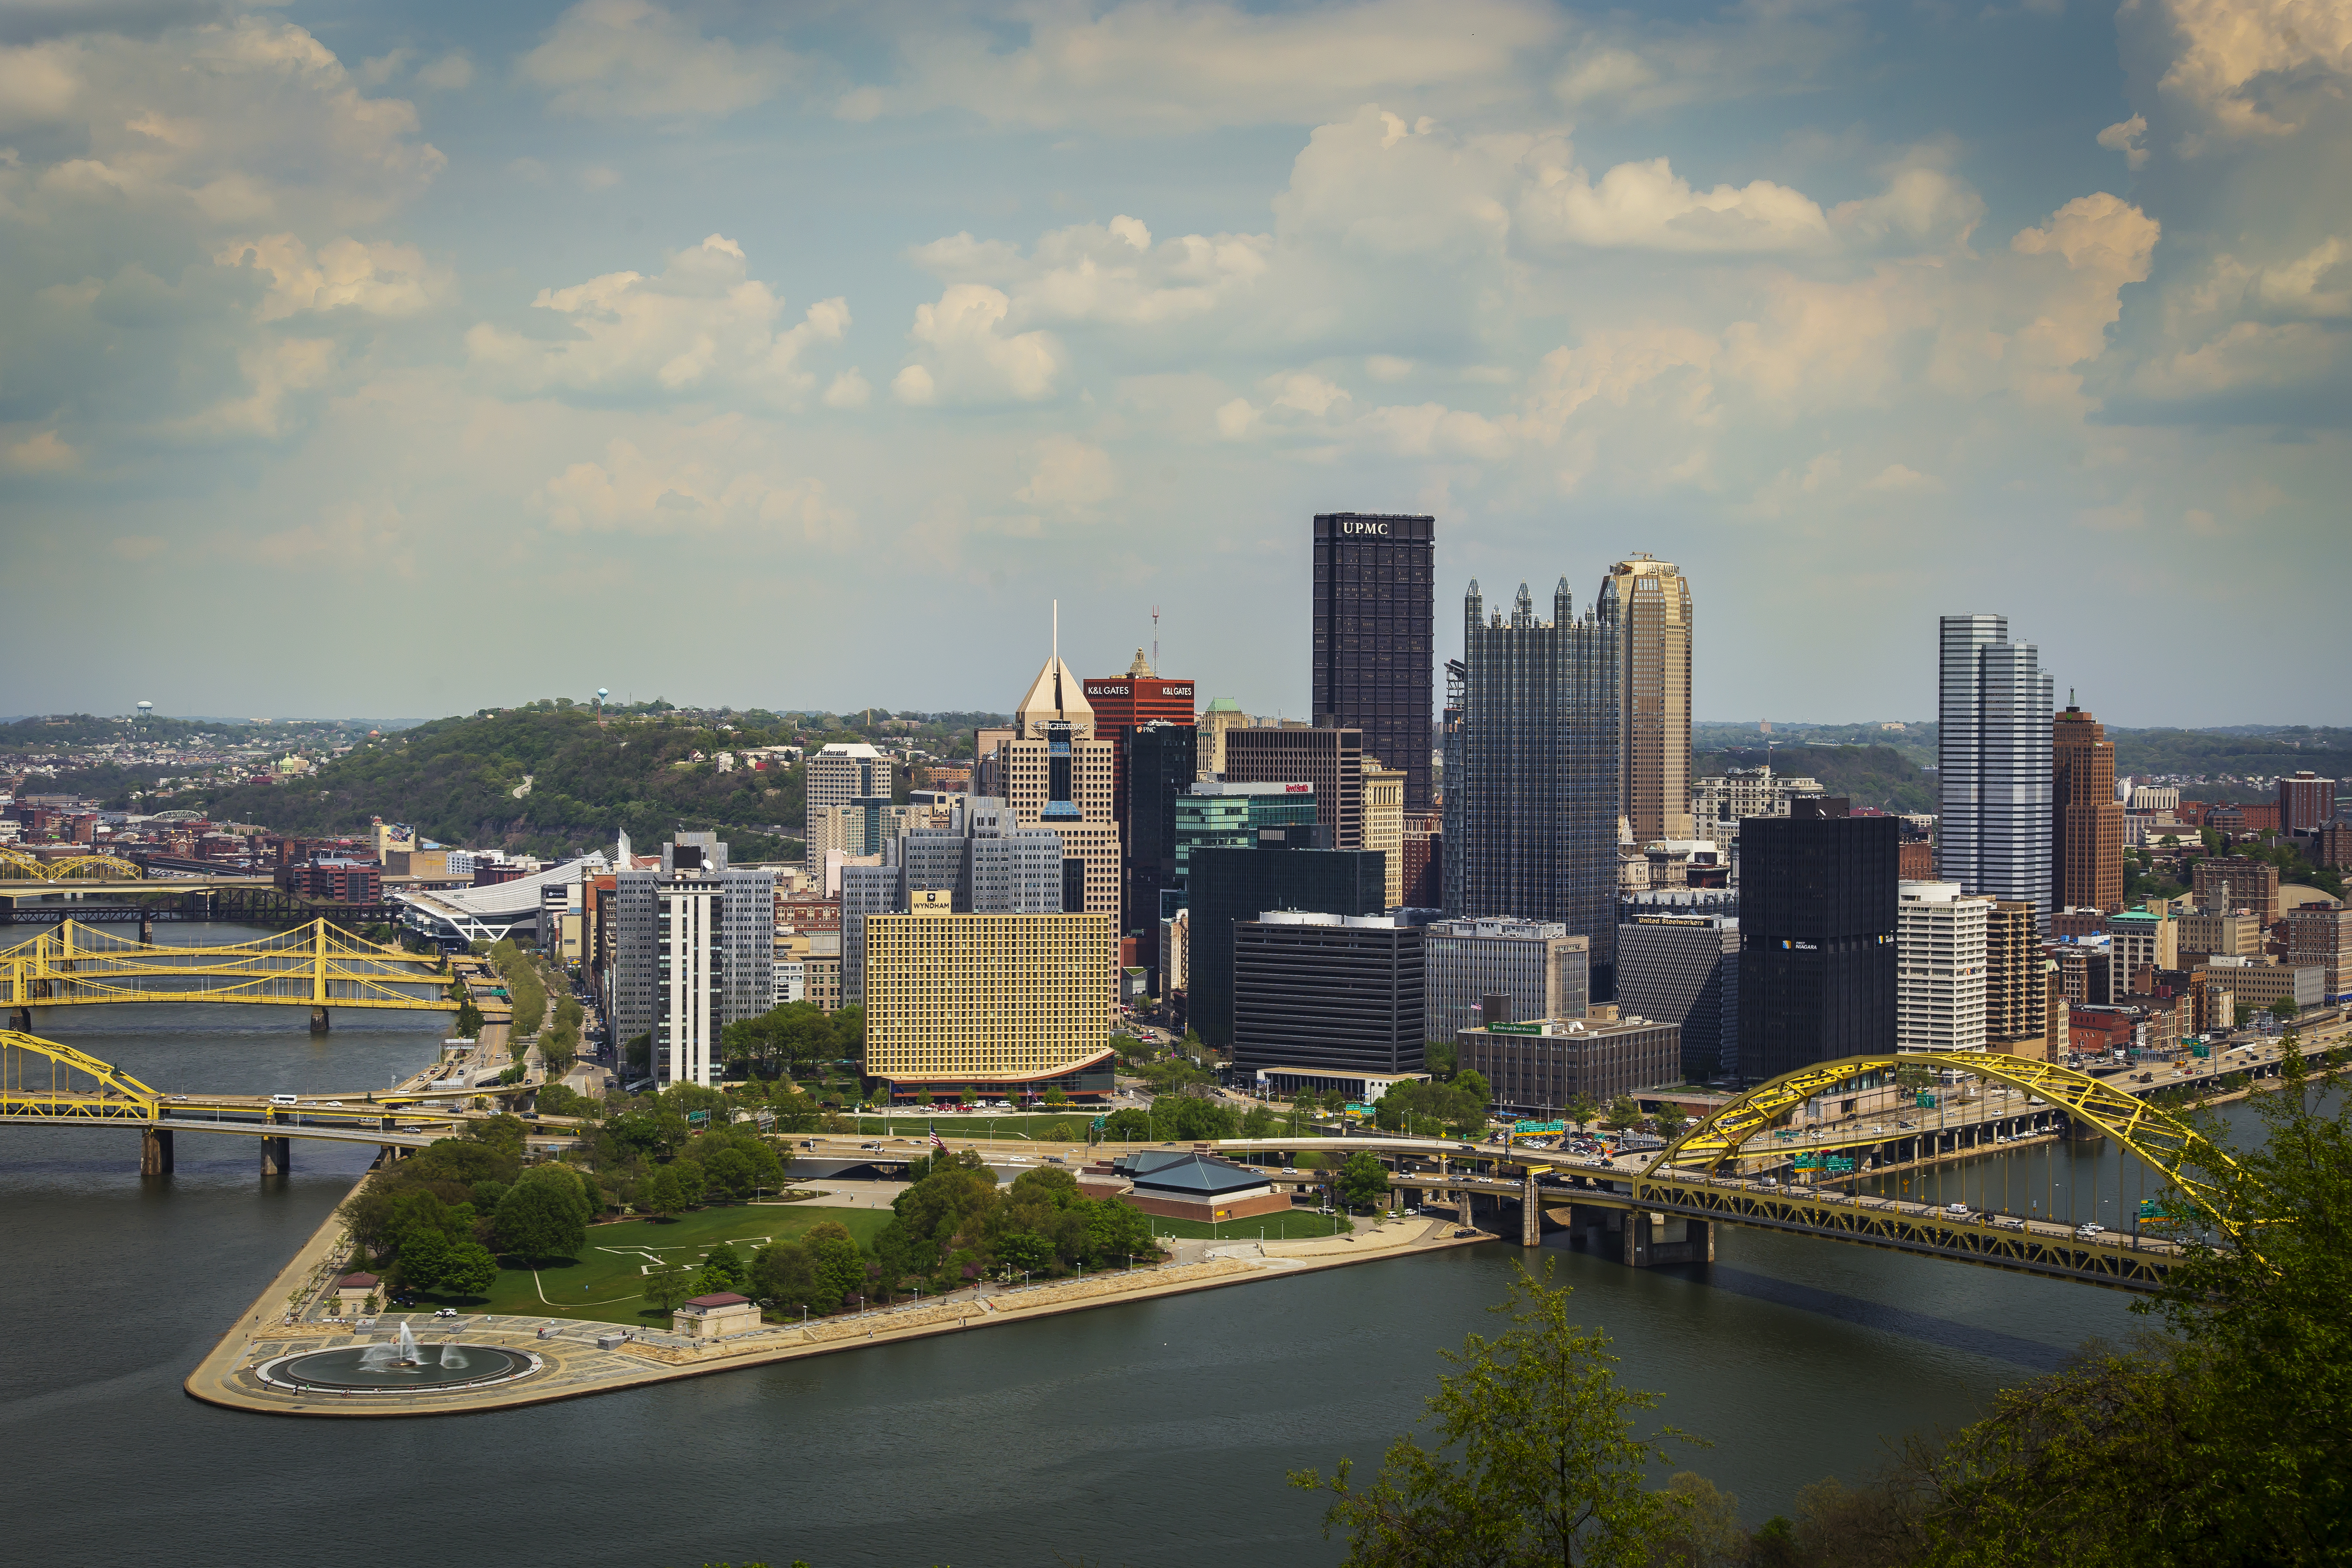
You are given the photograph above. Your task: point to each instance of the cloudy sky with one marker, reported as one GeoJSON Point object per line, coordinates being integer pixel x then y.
{"type": "Point", "coordinates": [403, 358]}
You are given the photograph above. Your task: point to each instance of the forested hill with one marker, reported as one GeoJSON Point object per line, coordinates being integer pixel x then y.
{"type": "Point", "coordinates": [456, 781]}
{"type": "Point", "coordinates": [1868, 775]}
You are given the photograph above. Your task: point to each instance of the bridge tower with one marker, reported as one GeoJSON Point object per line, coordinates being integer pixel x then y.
{"type": "Point", "coordinates": [155, 1151]}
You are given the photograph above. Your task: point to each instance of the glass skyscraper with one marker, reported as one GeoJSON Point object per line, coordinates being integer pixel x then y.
{"type": "Point", "coordinates": [1531, 771]}
{"type": "Point", "coordinates": [1994, 763]}
{"type": "Point", "coordinates": [1375, 622]}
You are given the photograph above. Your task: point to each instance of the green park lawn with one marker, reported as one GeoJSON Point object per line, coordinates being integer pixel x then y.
{"type": "Point", "coordinates": [1292, 1226]}
{"type": "Point", "coordinates": [605, 1282]}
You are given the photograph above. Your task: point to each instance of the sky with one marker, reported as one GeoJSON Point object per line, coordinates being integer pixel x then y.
{"type": "Point", "coordinates": [402, 359]}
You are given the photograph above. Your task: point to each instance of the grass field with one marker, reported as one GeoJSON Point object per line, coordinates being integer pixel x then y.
{"type": "Point", "coordinates": [605, 1283]}
{"type": "Point", "coordinates": [1291, 1227]}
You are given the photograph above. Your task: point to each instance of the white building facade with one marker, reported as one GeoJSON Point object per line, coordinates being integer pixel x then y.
{"type": "Point", "coordinates": [1941, 967]}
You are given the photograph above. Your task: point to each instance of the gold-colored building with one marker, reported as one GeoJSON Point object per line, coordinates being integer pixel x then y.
{"type": "Point", "coordinates": [1384, 822]}
{"type": "Point", "coordinates": [1653, 672]}
{"type": "Point", "coordinates": [1002, 1006]}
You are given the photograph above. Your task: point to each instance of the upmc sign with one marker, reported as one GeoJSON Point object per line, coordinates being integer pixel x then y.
{"type": "Point", "coordinates": [1353, 526]}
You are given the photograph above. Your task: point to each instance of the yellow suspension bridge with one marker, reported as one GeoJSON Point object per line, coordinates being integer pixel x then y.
{"type": "Point", "coordinates": [317, 965]}
{"type": "Point", "coordinates": [45, 1083]}
{"type": "Point", "coordinates": [16, 865]}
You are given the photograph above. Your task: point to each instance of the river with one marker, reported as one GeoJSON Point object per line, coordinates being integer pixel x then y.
{"type": "Point", "coordinates": [1152, 1433]}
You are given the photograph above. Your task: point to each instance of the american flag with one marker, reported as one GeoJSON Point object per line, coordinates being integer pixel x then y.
{"type": "Point", "coordinates": [939, 1142]}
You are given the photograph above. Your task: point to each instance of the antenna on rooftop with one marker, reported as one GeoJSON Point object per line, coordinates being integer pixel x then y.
{"type": "Point", "coordinates": [1155, 636]}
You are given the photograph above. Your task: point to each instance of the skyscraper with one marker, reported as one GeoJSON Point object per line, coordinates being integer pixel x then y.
{"type": "Point", "coordinates": [1330, 760]}
{"type": "Point", "coordinates": [2086, 820]}
{"type": "Point", "coordinates": [1375, 620]}
{"type": "Point", "coordinates": [1993, 757]}
{"type": "Point", "coordinates": [1531, 772]}
{"type": "Point", "coordinates": [1817, 938]}
{"type": "Point", "coordinates": [1226, 886]}
{"type": "Point", "coordinates": [1652, 602]}
{"type": "Point", "coordinates": [1053, 771]}
{"type": "Point", "coordinates": [1122, 705]}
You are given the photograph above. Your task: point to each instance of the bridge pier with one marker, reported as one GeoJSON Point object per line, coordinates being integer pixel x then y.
{"type": "Point", "coordinates": [318, 1020]}
{"type": "Point", "coordinates": [1652, 1242]}
{"type": "Point", "coordinates": [1530, 1216]}
{"type": "Point", "coordinates": [154, 1151]}
{"type": "Point", "coordinates": [277, 1157]}
{"type": "Point", "coordinates": [21, 1020]}
{"type": "Point", "coordinates": [146, 927]}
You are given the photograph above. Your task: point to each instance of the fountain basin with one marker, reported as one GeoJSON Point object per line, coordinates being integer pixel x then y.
{"type": "Point", "coordinates": [403, 1367]}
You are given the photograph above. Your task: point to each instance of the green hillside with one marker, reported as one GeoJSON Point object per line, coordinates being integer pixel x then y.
{"type": "Point", "coordinates": [455, 780]}
{"type": "Point", "coordinates": [1867, 775]}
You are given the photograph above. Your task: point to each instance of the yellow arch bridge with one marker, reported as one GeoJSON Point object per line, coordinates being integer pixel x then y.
{"type": "Point", "coordinates": [317, 965]}
{"type": "Point", "coordinates": [45, 1083]}
{"type": "Point", "coordinates": [16, 865]}
{"type": "Point", "coordinates": [1728, 1170]}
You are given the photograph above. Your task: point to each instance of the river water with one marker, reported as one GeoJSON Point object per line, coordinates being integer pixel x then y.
{"type": "Point", "coordinates": [1151, 1434]}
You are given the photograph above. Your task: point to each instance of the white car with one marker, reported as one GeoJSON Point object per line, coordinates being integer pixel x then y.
{"type": "Point", "coordinates": [2088, 1232]}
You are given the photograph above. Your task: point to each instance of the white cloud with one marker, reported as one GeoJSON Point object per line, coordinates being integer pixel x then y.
{"type": "Point", "coordinates": [1105, 272]}
{"type": "Point", "coordinates": [1069, 475]}
{"type": "Point", "coordinates": [1387, 367]}
{"type": "Point", "coordinates": [1647, 205]}
{"type": "Point", "coordinates": [240, 124]}
{"type": "Point", "coordinates": [2124, 137]}
{"type": "Point", "coordinates": [706, 478]}
{"type": "Point", "coordinates": [377, 277]}
{"type": "Point", "coordinates": [849, 390]}
{"type": "Point", "coordinates": [2253, 67]}
{"type": "Point", "coordinates": [272, 371]}
{"type": "Point", "coordinates": [452, 72]}
{"type": "Point", "coordinates": [43, 452]}
{"type": "Point", "coordinates": [703, 327]}
{"type": "Point", "coordinates": [628, 58]}
{"type": "Point", "coordinates": [1172, 65]}
{"type": "Point", "coordinates": [965, 354]}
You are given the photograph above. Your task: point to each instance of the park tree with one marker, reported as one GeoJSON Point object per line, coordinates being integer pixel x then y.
{"type": "Point", "coordinates": [2285, 1010]}
{"type": "Point", "coordinates": [1536, 1458]}
{"type": "Point", "coordinates": [545, 1213]}
{"type": "Point", "coordinates": [1671, 1120]}
{"type": "Point", "coordinates": [669, 1284]}
{"type": "Point", "coordinates": [469, 1020]}
{"type": "Point", "coordinates": [1623, 1114]}
{"type": "Point", "coordinates": [1581, 1109]}
{"type": "Point", "coordinates": [722, 1271]}
{"type": "Point", "coordinates": [1364, 1181]}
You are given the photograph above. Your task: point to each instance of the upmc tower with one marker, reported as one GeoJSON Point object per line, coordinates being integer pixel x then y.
{"type": "Point", "coordinates": [1375, 608]}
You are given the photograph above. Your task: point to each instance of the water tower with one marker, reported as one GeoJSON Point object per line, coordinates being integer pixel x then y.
{"type": "Point", "coordinates": [146, 710]}
{"type": "Point", "coordinates": [602, 693]}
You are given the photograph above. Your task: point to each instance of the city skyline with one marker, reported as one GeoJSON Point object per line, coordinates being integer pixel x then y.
{"type": "Point", "coordinates": [1840, 313]}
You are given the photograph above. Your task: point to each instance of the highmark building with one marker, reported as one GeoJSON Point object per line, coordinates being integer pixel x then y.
{"type": "Point", "coordinates": [995, 1005]}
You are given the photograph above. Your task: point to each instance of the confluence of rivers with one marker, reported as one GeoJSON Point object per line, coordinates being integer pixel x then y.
{"type": "Point", "coordinates": [1153, 1434]}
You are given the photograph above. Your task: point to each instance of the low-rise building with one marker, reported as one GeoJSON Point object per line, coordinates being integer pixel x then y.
{"type": "Point", "coordinates": [715, 1316]}
{"type": "Point", "coordinates": [1196, 1186]}
{"type": "Point", "coordinates": [1684, 969]}
{"type": "Point", "coordinates": [1542, 1067]}
{"type": "Point", "coordinates": [2260, 986]}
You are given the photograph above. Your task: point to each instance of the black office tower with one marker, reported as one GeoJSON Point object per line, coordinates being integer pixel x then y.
{"type": "Point", "coordinates": [1817, 954]}
{"type": "Point", "coordinates": [1159, 764]}
{"type": "Point", "coordinates": [1226, 885]}
{"type": "Point", "coordinates": [1318, 992]}
{"type": "Point", "coordinates": [1375, 618]}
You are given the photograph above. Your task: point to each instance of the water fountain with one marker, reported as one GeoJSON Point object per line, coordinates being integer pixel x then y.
{"type": "Point", "coordinates": [398, 1366]}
